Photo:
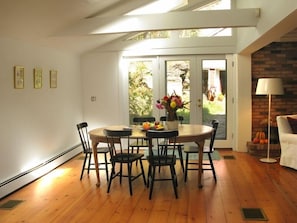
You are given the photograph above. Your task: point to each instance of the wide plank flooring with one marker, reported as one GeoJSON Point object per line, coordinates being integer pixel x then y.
{"type": "Point", "coordinates": [243, 182]}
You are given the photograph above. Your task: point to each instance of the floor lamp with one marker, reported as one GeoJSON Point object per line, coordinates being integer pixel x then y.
{"type": "Point", "coordinates": [269, 86]}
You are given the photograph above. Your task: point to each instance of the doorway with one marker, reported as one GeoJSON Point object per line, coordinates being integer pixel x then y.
{"type": "Point", "coordinates": [203, 81]}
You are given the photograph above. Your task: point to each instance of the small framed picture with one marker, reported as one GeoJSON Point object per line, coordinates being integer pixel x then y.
{"type": "Point", "coordinates": [19, 77]}
{"type": "Point", "coordinates": [37, 78]}
{"type": "Point", "coordinates": [53, 78]}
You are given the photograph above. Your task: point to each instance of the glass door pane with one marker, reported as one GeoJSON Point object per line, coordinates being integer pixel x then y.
{"type": "Point", "coordinates": [140, 88]}
{"type": "Point", "coordinates": [178, 82]}
{"type": "Point", "coordinates": [214, 79]}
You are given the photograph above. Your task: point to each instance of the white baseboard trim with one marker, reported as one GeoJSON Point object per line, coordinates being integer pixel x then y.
{"type": "Point", "coordinates": [9, 186]}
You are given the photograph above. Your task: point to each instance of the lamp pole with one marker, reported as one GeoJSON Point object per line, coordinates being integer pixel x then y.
{"type": "Point", "coordinates": [268, 159]}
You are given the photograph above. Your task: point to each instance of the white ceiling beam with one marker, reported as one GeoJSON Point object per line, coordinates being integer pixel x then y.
{"type": "Point", "coordinates": [168, 21]}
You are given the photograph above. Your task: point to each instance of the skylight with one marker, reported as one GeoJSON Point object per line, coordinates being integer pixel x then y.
{"type": "Point", "coordinates": [217, 5]}
{"type": "Point", "coordinates": [212, 32]}
{"type": "Point", "coordinates": [163, 6]}
{"type": "Point", "coordinates": [159, 6]}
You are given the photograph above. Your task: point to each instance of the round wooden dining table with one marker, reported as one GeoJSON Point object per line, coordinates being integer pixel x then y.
{"type": "Point", "coordinates": [186, 133]}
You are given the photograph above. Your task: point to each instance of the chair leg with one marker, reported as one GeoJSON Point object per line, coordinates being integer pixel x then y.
{"type": "Point", "coordinates": [174, 180]}
{"type": "Point", "coordinates": [83, 166]}
{"type": "Point", "coordinates": [149, 172]}
{"type": "Point", "coordinates": [212, 167]}
{"type": "Point", "coordinates": [174, 172]}
{"type": "Point", "coordinates": [152, 182]}
{"type": "Point", "coordinates": [121, 171]}
{"type": "Point", "coordinates": [180, 153]}
{"type": "Point", "coordinates": [142, 171]}
{"type": "Point", "coordinates": [106, 166]}
{"type": "Point", "coordinates": [109, 183]}
{"type": "Point", "coordinates": [111, 176]}
{"type": "Point", "coordinates": [137, 151]}
{"type": "Point", "coordinates": [89, 164]}
{"type": "Point", "coordinates": [129, 165]}
{"type": "Point", "coordinates": [186, 167]}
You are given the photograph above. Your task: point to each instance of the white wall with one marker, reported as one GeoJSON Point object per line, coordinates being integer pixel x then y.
{"type": "Point", "coordinates": [36, 124]}
{"type": "Point", "coordinates": [102, 80]}
{"type": "Point", "coordinates": [243, 103]}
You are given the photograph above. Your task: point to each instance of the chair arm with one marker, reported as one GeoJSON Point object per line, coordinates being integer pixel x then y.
{"type": "Point", "coordinates": [288, 138]}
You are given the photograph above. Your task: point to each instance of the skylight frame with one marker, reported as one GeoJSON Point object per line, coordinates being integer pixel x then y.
{"type": "Point", "coordinates": [209, 32]}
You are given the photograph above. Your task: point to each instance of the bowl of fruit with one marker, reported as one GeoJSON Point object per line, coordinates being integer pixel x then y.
{"type": "Point", "coordinates": [152, 126]}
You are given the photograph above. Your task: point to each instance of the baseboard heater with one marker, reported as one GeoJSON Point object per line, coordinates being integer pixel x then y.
{"type": "Point", "coordinates": [9, 186]}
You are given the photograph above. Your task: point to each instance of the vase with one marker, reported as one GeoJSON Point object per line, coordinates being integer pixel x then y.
{"type": "Point", "coordinates": [171, 115]}
{"type": "Point", "coordinates": [172, 125]}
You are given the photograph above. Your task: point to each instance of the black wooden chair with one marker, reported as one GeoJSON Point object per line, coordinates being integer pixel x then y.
{"type": "Point", "coordinates": [207, 150]}
{"type": "Point", "coordinates": [141, 143]}
{"type": "Point", "coordinates": [122, 155]}
{"type": "Point", "coordinates": [180, 146]}
{"type": "Point", "coordinates": [88, 151]}
{"type": "Point", "coordinates": [157, 158]}
{"type": "Point", "coordinates": [180, 119]}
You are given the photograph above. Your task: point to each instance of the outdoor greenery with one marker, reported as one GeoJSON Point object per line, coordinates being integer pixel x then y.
{"type": "Point", "coordinates": [186, 114]}
{"type": "Point", "coordinates": [151, 35]}
{"type": "Point", "coordinates": [214, 107]}
{"type": "Point", "coordinates": [140, 94]}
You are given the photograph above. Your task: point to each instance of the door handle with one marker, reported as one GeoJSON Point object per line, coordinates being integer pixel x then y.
{"type": "Point", "coordinates": [199, 104]}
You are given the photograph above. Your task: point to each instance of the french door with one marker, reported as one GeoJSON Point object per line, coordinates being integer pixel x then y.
{"type": "Point", "coordinates": [203, 81]}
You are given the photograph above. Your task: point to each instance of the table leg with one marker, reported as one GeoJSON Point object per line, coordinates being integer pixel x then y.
{"type": "Point", "coordinates": [94, 147]}
{"type": "Point", "coordinates": [200, 160]}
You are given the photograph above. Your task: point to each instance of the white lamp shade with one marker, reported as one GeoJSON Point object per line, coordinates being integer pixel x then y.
{"type": "Point", "coordinates": [272, 86]}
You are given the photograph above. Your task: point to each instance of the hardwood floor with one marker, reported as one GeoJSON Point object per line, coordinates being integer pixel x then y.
{"type": "Point", "coordinates": [243, 182]}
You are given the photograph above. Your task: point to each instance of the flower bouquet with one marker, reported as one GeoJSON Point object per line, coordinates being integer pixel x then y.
{"type": "Point", "coordinates": [171, 103]}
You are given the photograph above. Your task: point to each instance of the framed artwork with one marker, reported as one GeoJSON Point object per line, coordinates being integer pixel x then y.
{"type": "Point", "coordinates": [37, 77]}
{"type": "Point", "coordinates": [19, 75]}
{"type": "Point", "coordinates": [53, 78]}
